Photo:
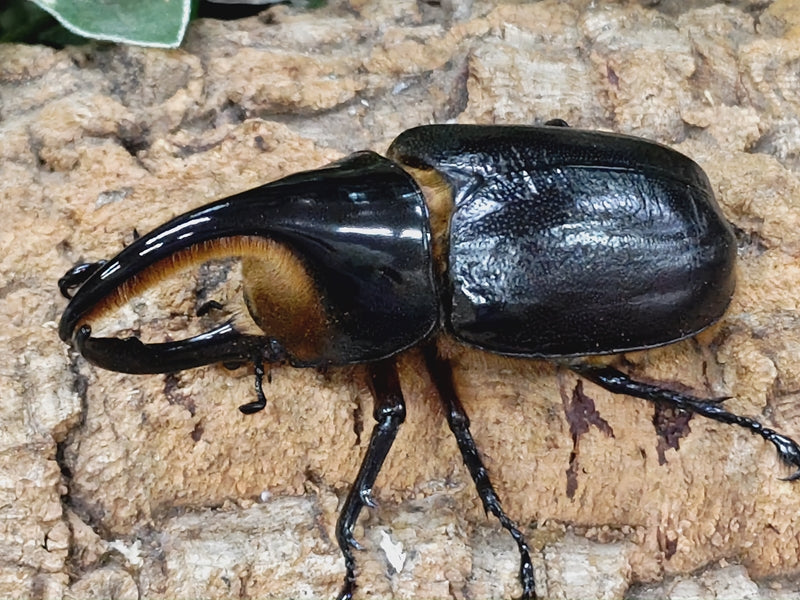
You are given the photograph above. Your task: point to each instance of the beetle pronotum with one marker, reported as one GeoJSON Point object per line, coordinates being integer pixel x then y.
{"type": "Point", "coordinates": [542, 242]}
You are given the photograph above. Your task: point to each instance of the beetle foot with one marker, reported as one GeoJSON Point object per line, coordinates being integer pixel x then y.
{"type": "Point", "coordinates": [347, 541]}
{"type": "Point", "coordinates": [527, 581]}
{"type": "Point", "coordinates": [793, 477]}
{"type": "Point", "coordinates": [252, 407]}
{"type": "Point", "coordinates": [348, 588]}
{"type": "Point", "coordinates": [346, 593]}
{"type": "Point", "coordinates": [788, 450]}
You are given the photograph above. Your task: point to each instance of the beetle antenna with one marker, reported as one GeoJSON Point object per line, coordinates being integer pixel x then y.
{"type": "Point", "coordinates": [617, 382]}
{"type": "Point", "coordinates": [457, 419]}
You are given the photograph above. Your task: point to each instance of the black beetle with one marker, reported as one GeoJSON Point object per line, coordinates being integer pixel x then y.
{"type": "Point", "coordinates": [543, 242]}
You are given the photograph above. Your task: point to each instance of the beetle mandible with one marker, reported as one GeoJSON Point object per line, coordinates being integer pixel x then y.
{"type": "Point", "coordinates": [542, 242]}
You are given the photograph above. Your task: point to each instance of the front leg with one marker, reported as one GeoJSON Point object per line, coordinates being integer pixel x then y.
{"type": "Point", "coordinates": [389, 413]}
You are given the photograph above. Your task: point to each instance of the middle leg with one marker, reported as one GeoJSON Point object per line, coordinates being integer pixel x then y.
{"type": "Point", "coordinates": [457, 419]}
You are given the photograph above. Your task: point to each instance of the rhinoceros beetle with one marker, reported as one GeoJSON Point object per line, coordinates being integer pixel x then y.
{"type": "Point", "coordinates": [541, 242]}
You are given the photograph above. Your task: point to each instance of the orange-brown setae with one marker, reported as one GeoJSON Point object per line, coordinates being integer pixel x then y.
{"type": "Point", "coordinates": [280, 293]}
{"type": "Point", "coordinates": [439, 200]}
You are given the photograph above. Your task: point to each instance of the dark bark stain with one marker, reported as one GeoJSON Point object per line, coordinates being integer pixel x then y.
{"type": "Point", "coordinates": [671, 425]}
{"type": "Point", "coordinates": [581, 415]}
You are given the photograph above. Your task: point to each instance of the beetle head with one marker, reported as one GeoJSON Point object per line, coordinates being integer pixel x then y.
{"type": "Point", "coordinates": [336, 266]}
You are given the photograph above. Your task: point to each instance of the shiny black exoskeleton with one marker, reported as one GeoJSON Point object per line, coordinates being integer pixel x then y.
{"type": "Point", "coordinates": [524, 241]}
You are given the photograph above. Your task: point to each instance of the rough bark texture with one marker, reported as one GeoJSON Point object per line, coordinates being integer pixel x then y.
{"type": "Point", "coordinates": [121, 486]}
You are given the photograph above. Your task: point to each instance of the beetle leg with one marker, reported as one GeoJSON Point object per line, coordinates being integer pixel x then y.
{"type": "Point", "coordinates": [261, 400]}
{"type": "Point", "coordinates": [457, 419]}
{"type": "Point", "coordinates": [617, 382]}
{"type": "Point", "coordinates": [389, 413]}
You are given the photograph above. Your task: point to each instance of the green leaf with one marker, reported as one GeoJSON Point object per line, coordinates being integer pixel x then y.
{"type": "Point", "coordinates": [22, 22]}
{"type": "Point", "coordinates": [159, 23]}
